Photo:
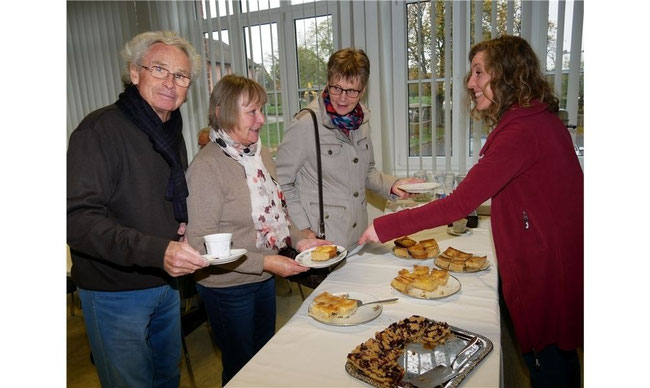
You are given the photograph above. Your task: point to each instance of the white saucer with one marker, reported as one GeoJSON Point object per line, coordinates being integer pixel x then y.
{"type": "Point", "coordinates": [418, 188]}
{"type": "Point", "coordinates": [467, 232]}
{"type": "Point", "coordinates": [234, 255]}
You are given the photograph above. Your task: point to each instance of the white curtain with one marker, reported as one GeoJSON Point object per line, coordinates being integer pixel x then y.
{"type": "Point", "coordinates": [96, 32]}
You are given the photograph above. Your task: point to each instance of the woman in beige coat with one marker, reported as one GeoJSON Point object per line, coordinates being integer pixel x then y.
{"type": "Point", "coordinates": [348, 165]}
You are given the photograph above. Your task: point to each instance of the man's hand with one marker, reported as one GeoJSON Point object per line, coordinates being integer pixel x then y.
{"type": "Point", "coordinates": [401, 193]}
{"type": "Point", "coordinates": [282, 266]}
{"type": "Point", "coordinates": [307, 243]}
{"type": "Point", "coordinates": [369, 235]}
{"type": "Point", "coordinates": [182, 259]}
{"type": "Point", "coordinates": [308, 233]}
{"type": "Point", "coordinates": [181, 231]}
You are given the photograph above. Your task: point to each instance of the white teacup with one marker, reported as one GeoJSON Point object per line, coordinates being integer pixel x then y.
{"type": "Point", "coordinates": [460, 226]}
{"type": "Point", "coordinates": [218, 244]}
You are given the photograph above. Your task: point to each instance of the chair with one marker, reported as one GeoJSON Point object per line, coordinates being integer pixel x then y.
{"type": "Point", "coordinates": [312, 278]}
{"type": "Point", "coordinates": [190, 321]}
{"type": "Point", "coordinates": [192, 316]}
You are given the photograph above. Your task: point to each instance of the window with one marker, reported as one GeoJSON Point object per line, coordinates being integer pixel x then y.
{"type": "Point", "coordinates": [263, 64]}
{"type": "Point", "coordinates": [217, 50]}
{"type": "Point", "coordinates": [440, 134]}
{"type": "Point", "coordinates": [217, 8]}
{"type": "Point", "coordinates": [558, 66]}
{"type": "Point", "coordinates": [493, 20]}
{"type": "Point", "coordinates": [258, 5]}
{"type": "Point", "coordinates": [314, 46]}
{"type": "Point", "coordinates": [264, 51]}
{"type": "Point", "coordinates": [426, 91]}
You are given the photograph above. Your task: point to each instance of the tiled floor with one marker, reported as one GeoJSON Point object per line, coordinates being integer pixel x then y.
{"type": "Point", "coordinates": [205, 358]}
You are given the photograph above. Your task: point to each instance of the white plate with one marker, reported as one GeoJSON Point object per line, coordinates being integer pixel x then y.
{"type": "Point", "coordinates": [452, 287]}
{"type": "Point", "coordinates": [304, 258]}
{"type": "Point", "coordinates": [363, 314]}
{"type": "Point", "coordinates": [467, 232]}
{"type": "Point", "coordinates": [483, 268]}
{"type": "Point", "coordinates": [418, 188]}
{"type": "Point", "coordinates": [234, 255]}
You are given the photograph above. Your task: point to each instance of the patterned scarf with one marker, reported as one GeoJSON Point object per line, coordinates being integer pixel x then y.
{"type": "Point", "coordinates": [165, 138]}
{"type": "Point", "coordinates": [347, 123]}
{"type": "Point", "coordinates": [269, 209]}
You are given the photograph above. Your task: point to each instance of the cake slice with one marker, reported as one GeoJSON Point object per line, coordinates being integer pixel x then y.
{"type": "Point", "coordinates": [401, 252]}
{"type": "Point", "coordinates": [417, 251]}
{"type": "Point", "coordinates": [323, 253]}
{"type": "Point", "coordinates": [455, 253]}
{"type": "Point", "coordinates": [457, 265]}
{"type": "Point", "coordinates": [432, 251]}
{"type": "Point", "coordinates": [327, 307]}
{"type": "Point", "coordinates": [420, 270]}
{"type": "Point", "coordinates": [405, 242]}
{"type": "Point", "coordinates": [403, 282]}
{"type": "Point", "coordinates": [443, 262]}
{"type": "Point", "coordinates": [429, 243]}
{"type": "Point", "coordinates": [441, 274]}
{"type": "Point", "coordinates": [475, 263]}
{"type": "Point", "coordinates": [426, 283]}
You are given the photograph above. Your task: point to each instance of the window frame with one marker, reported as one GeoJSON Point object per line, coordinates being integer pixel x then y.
{"type": "Point", "coordinates": [459, 158]}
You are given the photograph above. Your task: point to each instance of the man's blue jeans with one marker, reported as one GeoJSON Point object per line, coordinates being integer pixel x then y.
{"type": "Point", "coordinates": [135, 336]}
{"type": "Point", "coordinates": [242, 319]}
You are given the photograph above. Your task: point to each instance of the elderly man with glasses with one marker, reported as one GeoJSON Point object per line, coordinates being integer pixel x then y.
{"type": "Point", "coordinates": [126, 216]}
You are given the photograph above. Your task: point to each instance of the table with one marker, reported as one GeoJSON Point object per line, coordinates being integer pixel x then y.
{"type": "Point", "coordinates": [307, 353]}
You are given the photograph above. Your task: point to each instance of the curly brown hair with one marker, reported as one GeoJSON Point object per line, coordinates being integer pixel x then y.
{"type": "Point", "coordinates": [516, 77]}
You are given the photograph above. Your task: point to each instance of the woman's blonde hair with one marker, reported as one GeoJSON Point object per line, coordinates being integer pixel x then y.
{"type": "Point", "coordinates": [135, 50]}
{"type": "Point", "coordinates": [224, 100]}
{"type": "Point", "coordinates": [516, 77]}
{"type": "Point", "coordinates": [349, 63]}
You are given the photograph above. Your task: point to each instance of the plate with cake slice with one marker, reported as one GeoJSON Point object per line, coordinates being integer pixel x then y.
{"type": "Point", "coordinates": [321, 256]}
{"type": "Point", "coordinates": [418, 188]}
{"type": "Point", "coordinates": [425, 283]}
{"type": "Point", "coordinates": [340, 308]}
{"type": "Point", "coordinates": [455, 260]}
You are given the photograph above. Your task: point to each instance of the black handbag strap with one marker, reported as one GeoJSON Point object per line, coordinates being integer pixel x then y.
{"type": "Point", "coordinates": [321, 224]}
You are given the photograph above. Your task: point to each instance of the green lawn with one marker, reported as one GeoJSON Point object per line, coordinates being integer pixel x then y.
{"type": "Point", "coordinates": [270, 138]}
{"type": "Point", "coordinates": [272, 110]}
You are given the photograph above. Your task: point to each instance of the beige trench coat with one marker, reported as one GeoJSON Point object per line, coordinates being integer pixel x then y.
{"type": "Point", "coordinates": [348, 167]}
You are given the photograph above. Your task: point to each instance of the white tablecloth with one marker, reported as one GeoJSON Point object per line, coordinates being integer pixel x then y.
{"type": "Point", "coordinates": [307, 353]}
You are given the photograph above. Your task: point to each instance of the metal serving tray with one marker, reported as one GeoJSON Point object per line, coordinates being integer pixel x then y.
{"type": "Point", "coordinates": [429, 358]}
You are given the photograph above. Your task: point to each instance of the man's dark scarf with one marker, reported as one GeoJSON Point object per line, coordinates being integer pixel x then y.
{"type": "Point", "coordinates": [165, 138]}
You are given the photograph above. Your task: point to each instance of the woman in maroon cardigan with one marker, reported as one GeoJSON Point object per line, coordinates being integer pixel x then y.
{"type": "Point", "coordinates": [529, 168]}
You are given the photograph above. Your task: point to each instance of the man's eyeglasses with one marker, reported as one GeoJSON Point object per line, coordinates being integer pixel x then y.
{"type": "Point", "coordinates": [336, 90]}
{"type": "Point", "coordinates": [162, 73]}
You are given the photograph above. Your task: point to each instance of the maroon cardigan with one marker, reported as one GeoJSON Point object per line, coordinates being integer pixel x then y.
{"type": "Point", "coordinates": [530, 170]}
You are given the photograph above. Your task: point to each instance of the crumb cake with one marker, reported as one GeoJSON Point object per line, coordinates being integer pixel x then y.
{"type": "Point", "coordinates": [377, 357]}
